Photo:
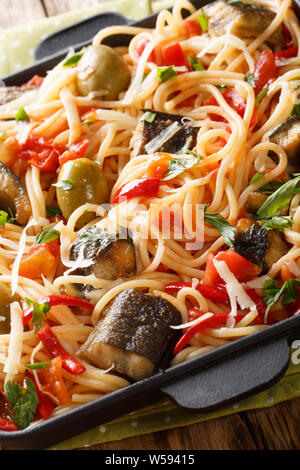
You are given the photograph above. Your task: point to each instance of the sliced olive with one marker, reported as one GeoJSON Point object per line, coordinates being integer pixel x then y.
{"type": "Point", "coordinates": [13, 196]}
{"type": "Point", "coordinates": [79, 182]}
{"type": "Point", "coordinates": [5, 300]}
{"type": "Point", "coordinates": [101, 68]}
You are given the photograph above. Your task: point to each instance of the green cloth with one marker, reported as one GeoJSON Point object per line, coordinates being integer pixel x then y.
{"type": "Point", "coordinates": [16, 52]}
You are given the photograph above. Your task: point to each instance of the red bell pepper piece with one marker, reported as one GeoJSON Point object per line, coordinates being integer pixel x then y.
{"type": "Point", "coordinates": [7, 425]}
{"type": "Point", "coordinates": [217, 294]}
{"type": "Point", "coordinates": [53, 382]}
{"type": "Point", "coordinates": [174, 55]}
{"type": "Point", "coordinates": [53, 346]}
{"type": "Point", "coordinates": [53, 300]}
{"type": "Point", "coordinates": [242, 268]}
{"type": "Point", "coordinates": [193, 27]}
{"type": "Point", "coordinates": [211, 322]}
{"type": "Point", "coordinates": [45, 405]}
{"type": "Point", "coordinates": [261, 307]}
{"type": "Point", "coordinates": [265, 70]}
{"type": "Point", "coordinates": [285, 54]}
{"type": "Point", "coordinates": [142, 187]}
{"type": "Point", "coordinates": [36, 80]}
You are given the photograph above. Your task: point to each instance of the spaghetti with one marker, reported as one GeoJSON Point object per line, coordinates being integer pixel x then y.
{"type": "Point", "coordinates": [236, 92]}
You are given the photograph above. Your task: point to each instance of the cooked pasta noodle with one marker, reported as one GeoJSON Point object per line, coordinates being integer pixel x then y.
{"type": "Point", "coordinates": [236, 159]}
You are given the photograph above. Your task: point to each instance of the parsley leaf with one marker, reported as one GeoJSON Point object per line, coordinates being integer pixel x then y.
{"type": "Point", "coordinates": [164, 74]}
{"type": "Point", "coordinates": [47, 235]}
{"type": "Point", "coordinates": [53, 211]}
{"type": "Point", "coordinates": [278, 222]}
{"type": "Point", "coordinates": [250, 79]}
{"type": "Point", "coordinates": [260, 96]}
{"type": "Point", "coordinates": [256, 177]}
{"type": "Point", "coordinates": [3, 218]}
{"type": "Point", "coordinates": [39, 313]}
{"type": "Point", "coordinates": [37, 365]}
{"type": "Point", "coordinates": [296, 111]}
{"type": "Point", "coordinates": [65, 185]}
{"type": "Point", "coordinates": [273, 292]}
{"type": "Point", "coordinates": [74, 59]}
{"type": "Point", "coordinates": [23, 402]}
{"type": "Point", "coordinates": [179, 165]}
{"type": "Point", "coordinates": [203, 20]}
{"type": "Point", "coordinates": [195, 64]}
{"type": "Point", "coordinates": [148, 116]}
{"type": "Point", "coordinates": [279, 199]}
{"type": "Point", "coordinates": [222, 87]}
{"type": "Point", "coordinates": [21, 115]}
{"type": "Point", "coordinates": [222, 225]}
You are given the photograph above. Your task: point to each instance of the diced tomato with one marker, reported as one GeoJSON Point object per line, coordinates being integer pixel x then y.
{"type": "Point", "coordinates": [38, 261]}
{"type": "Point", "coordinates": [174, 55]}
{"type": "Point", "coordinates": [242, 268]}
{"type": "Point", "coordinates": [52, 381]}
{"type": "Point", "coordinates": [187, 103]}
{"type": "Point", "coordinates": [159, 165]}
{"type": "Point", "coordinates": [40, 153]}
{"type": "Point", "coordinates": [75, 151]}
{"type": "Point", "coordinates": [140, 47]}
{"type": "Point", "coordinates": [235, 100]}
{"type": "Point", "coordinates": [265, 70]}
{"type": "Point", "coordinates": [35, 81]}
{"type": "Point", "coordinates": [193, 27]}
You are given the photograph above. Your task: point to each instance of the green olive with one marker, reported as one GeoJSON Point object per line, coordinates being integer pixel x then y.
{"type": "Point", "coordinates": [81, 181]}
{"type": "Point", "coordinates": [5, 300]}
{"type": "Point", "coordinates": [101, 68]}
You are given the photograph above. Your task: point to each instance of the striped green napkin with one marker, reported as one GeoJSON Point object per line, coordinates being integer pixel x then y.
{"type": "Point", "coordinates": [16, 51]}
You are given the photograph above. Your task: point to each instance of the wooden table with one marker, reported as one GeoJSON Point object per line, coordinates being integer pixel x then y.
{"type": "Point", "coordinates": [275, 428]}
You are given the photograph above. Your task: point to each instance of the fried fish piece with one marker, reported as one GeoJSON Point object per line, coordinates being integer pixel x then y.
{"type": "Point", "coordinates": [134, 335]}
{"type": "Point", "coordinates": [287, 135]}
{"type": "Point", "coordinates": [112, 256]}
{"type": "Point", "coordinates": [259, 245]}
{"type": "Point", "coordinates": [243, 20]}
{"type": "Point", "coordinates": [146, 131]}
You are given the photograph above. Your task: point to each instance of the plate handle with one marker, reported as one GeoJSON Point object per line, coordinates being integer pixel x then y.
{"type": "Point", "coordinates": [77, 34]}
{"type": "Point", "coordinates": [243, 374]}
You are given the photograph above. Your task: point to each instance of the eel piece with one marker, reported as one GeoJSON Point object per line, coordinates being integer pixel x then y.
{"type": "Point", "coordinates": [134, 335]}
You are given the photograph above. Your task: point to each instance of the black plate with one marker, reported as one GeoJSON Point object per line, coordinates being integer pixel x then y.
{"type": "Point", "coordinates": [209, 382]}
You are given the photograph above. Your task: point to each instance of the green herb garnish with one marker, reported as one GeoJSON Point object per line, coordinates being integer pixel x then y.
{"type": "Point", "coordinates": [278, 222]}
{"type": "Point", "coordinates": [203, 20]}
{"type": "Point", "coordinates": [179, 165]}
{"type": "Point", "coordinates": [195, 64]}
{"type": "Point", "coordinates": [222, 87]}
{"type": "Point", "coordinates": [22, 116]}
{"type": "Point", "coordinates": [39, 313]}
{"type": "Point", "coordinates": [222, 225]}
{"type": "Point", "coordinates": [260, 96]}
{"type": "Point", "coordinates": [279, 199]}
{"type": "Point", "coordinates": [22, 401]}
{"type": "Point", "coordinates": [164, 74]}
{"type": "Point", "coordinates": [148, 116]}
{"type": "Point", "coordinates": [273, 292]}
{"type": "Point", "coordinates": [37, 365]}
{"type": "Point", "coordinates": [53, 211]}
{"type": "Point", "coordinates": [250, 79]}
{"type": "Point", "coordinates": [48, 235]}
{"type": "Point", "coordinates": [65, 185]}
{"type": "Point", "coordinates": [74, 59]}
